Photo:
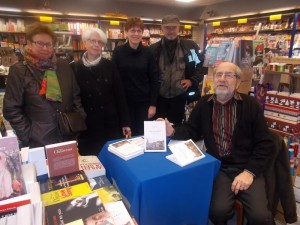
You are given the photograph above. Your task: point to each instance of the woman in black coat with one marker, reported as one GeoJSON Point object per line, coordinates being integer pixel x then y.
{"type": "Point", "coordinates": [37, 87]}
{"type": "Point", "coordinates": [101, 94]}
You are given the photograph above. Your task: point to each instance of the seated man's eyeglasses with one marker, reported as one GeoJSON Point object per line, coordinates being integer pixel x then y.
{"type": "Point", "coordinates": [41, 44]}
{"type": "Point", "coordinates": [227, 75]}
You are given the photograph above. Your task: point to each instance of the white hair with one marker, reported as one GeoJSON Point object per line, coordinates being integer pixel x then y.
{"type": "Point", "coordinates": [87, 33]}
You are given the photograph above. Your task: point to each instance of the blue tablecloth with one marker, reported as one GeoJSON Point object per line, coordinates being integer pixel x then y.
{"type": "Point", "coordinates": [160, 192]}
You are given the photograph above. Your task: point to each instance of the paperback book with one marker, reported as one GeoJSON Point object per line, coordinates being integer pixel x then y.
{"type": "Point", "coordinates": [91, 165]}
{"type": "Point", "coordinates": [76, 211]}
{"type": "Point", "coordinates": [38, 158]}
{"type": "Point", "coordinates": [99, 182]}
{"type": "Point", "coordinates": [119, 213]}
{"type": "Point", "coordinates": [63, 181]}
{"type": "Point", "coordinates": [67, 193]}
{"type": "Point", "coordinates": [62, 158]}
{"type": "Point", "coordinates": [184, 153]}
{"type": "Point", "coordinates": [126, 149]}
{"type": "Point", "coordinates": [155, 136]}
{"type": "Point", "coordinates": [11, 178]}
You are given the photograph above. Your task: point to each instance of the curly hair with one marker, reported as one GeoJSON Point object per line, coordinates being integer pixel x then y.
{"type": "Point", "coordinates": [39, 28]}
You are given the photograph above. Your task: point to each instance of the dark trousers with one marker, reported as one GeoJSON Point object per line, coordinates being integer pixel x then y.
{"type": "Point", "coordinates": [138, 114]}
{"type": "Point", "coordinates": [254, 200]}
{"type": "Point", "coordinates": [171, 108]}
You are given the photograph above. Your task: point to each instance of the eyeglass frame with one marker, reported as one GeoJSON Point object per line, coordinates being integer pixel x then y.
{"type": "Point", "coordinates": [41, 44]}
{"type": "Point", "coordinates": [93, 42]}
{"type": "Point", "coordinates": [227, 75]}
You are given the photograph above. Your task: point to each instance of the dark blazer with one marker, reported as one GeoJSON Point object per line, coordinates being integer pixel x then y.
{"type": "Point", "coordinates": [33, 118]}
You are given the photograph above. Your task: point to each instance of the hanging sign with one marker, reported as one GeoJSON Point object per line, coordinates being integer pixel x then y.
{"type": "Point", "coordinates": [243, 20]}
{"type": "Point", "coordinates": [114, 22]}
{"type": "Point", "coordinates": [188, 27]}
{"type": "Point", "coordinates": [46, 18]}
{"type": "Point", "coordinates": [275, 17]}
{"type": "Point", "coordinates": [217, 23]}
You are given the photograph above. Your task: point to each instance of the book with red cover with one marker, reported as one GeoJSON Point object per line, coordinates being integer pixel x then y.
{"type": "Point", "coordinates": [9, 206]}
{"type": "Point", "coordinates": [62, 158]}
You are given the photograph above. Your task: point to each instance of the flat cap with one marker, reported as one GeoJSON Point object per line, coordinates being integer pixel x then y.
{"type": "Point", "coordinates": [170, 21]}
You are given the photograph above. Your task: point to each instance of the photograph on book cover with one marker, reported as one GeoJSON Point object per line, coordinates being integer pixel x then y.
{"type": "Point", "coordinates": [155, 136]}
{"type": "Point", "coordinates": [11, 179]}
{"type": "Point", "coordinates": [82, 208]}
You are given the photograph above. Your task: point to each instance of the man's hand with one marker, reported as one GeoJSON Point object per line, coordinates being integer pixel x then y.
{"type": "Point", "coordinates": [169, 126]}
{"type": "Point", "coordinates": [186, 84]}
{"type": "Point", "coordinates": [242, 182]}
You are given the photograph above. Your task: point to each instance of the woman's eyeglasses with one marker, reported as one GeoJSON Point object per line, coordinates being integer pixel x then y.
{"type": "Point", "coordinates": [41, 44]}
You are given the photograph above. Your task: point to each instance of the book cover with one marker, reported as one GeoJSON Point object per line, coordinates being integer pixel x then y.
{"type": "Point", "coordinates": [91, 165]}
{"type": "Point", "coordinates": [155, 136]}
{"type": "Point", "coordinates": [208, 85]}
{"type": "Point", "coordinates": [11, 178]}
{"type": "Point", "coordinates": [211, 55]}
{"type": "Point", "coordinates": [108, 194]}
{"type": "Point", "coordinates": [258, 52]}
{"type": "Point", "coordinates": [38, 158]}
{"type": "Point", "coordinates": [79, 208]}
{"type": "Point", "coordinates": [99, 182]}
{"type": "Point", "coordinates": [246, 54]}
{"type": "Point", "coordinates": [63, 181]}
{"type": "Point", "coordinates": [62, 158]}
{"type": "Point", "coordinates": [125, 149]}
{"type": "Point", "coordinates": [9, 206]}
{"type": "Point", "coordinates": [119, 213]}
{"type": "Point", "coordinates": [185, 152]}
{"type": "Point", "coordinates": [225, 51]}
{"type": "Point", "coordinates": [67, 193]}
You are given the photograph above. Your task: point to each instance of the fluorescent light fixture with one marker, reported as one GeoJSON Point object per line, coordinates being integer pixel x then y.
{"type": "Point", "coordinates": [187, 1]}
{"type": "Point", "coordinates": [244, 14]}
{"type": "Point", "coordinates": [158, 20]}
{"type": "Point", "coordinates": [276, 10]}
{"type": "Point", "coordinates": [217, 18]}
{"type": "Point", "coordinates": [10, 9]}
{"type": "Point", "coordinates": [147, 19]}
{"type": "Point", "coordinates": [188, 21]}
{"type": "Point", "coordinates": [81, 14]}
{"type": "Point", "coordinates": [43, 12]}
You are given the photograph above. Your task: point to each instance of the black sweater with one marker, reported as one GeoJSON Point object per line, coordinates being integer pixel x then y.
{"type": "Point", "coordinates": [138, 71]}
{"type": "Point", "coordinates": [252, 145]}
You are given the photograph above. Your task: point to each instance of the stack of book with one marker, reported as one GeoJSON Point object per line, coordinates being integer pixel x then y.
{"type": "Point", "coordinates": [128, 148]}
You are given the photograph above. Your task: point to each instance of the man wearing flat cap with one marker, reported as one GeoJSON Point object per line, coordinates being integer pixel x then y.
{"type": "Point", "coordinates": [180, 69]}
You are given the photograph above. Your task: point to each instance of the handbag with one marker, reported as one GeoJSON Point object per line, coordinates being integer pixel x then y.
{"type": "Point", "coordinates": [71, 123]}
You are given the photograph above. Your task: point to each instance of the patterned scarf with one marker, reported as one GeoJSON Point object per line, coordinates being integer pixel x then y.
{"type": "Point", "coordinates": [50, 86]}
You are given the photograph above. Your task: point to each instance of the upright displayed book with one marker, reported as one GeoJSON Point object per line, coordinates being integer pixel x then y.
{"type": "Point", "coordinates": [38, 158]}
{"type": "Point", "coordinates": [91, 165]}
{"type": "Point", "coordinates": [62, 158]}
{"type": "Point", "coordinates": [184, 153]}
{"type": "Point", "coordinates": [78, 211]}
{"type": "Point", "coordinates": [11, 178]}
{"type": "Point", "coordinates": [208, 85]}
{"type": "Point", "coordinates": [155, 136]}
{"type": "Point", "coordinates": [225, 52]}
{"type": "Point", "coordinates": [127, 148]}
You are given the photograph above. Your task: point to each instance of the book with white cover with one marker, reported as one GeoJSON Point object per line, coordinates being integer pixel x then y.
{"type": "Point", "coordinates": [126, 149]}
{"type": "Point", "coordinates": [119, 213]}
{"type": "Point", "coordinates": [38, 158]}
{"type": "Point", "coordinates": [91, 165]}
{"type": "Point", "coordinates": [155, 136]}
{"type": "Point", "coordinates": [184, 153]}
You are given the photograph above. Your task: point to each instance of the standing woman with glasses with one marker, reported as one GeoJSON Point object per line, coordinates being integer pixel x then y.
{"type": "Point", "coordinates": [102, 95]}
{"type": "Point", "coordinates": [137, 67]}
{"type": "Point", "coordinates": [37, 87]}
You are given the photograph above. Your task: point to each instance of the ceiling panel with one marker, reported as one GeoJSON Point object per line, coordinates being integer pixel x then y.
{"type": "Point", "coordinates": [179, 4]}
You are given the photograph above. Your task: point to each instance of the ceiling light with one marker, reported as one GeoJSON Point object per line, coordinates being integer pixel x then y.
{"type": "Point", "coordinates": [10, 9]}
{"type": "Point", "coordinates": [81, 14]}
{"type": "Point", "coordinates": [147, 19]}
{"type": "Point", "coordinates": [217, 18]}
{"type": "Point", "coordinates": [187, 1]}
{"type": "Point", "coordinates": [189, 21]}
{"type": "Point", "coordinates": [277, 10]}
{"type": "Point", "coordinates": [244, 14]}
{"type": "Point", "coordinates": [43, 12]}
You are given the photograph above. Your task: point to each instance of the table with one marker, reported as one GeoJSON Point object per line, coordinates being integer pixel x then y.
{"type": "Point", "coordinates": [159, 192]}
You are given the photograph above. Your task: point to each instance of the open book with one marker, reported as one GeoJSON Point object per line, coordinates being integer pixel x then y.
{"type": "Point", "coordinates": [184, 153]}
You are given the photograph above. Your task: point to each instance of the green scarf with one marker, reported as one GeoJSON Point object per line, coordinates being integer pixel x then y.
{"type": "Point", "coordinates": [50, 86]}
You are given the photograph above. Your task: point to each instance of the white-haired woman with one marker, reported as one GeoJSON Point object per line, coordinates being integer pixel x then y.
{"type": "Point", "coordinates": [101, 94]}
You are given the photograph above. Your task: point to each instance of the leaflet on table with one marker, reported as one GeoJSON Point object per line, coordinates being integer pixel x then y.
{"type": "Point", "coordinates": [184, 153]}
{"type": "Point", "coordinates": [155, 136]}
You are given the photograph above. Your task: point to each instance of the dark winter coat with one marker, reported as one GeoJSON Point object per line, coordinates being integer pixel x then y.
{"type": "Point", "coordinates": [33, 118]}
